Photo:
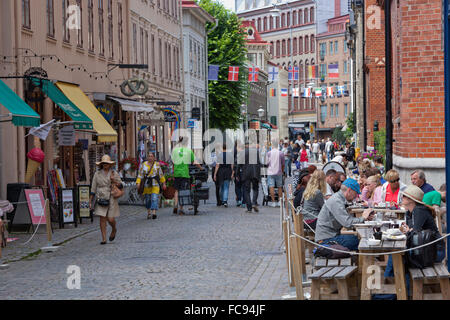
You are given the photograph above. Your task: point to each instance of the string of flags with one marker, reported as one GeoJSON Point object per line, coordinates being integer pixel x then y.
{"type": "Point", "coordinates": [319, 92]}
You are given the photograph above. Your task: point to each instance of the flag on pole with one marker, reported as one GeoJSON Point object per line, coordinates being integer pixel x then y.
{"type": "Point", "coordinates": [340, 90]}
{"type": "Point", "coordinates": [318, 92]}
{"type": "Point", "coordinates": [293, 74]}
{"type": "Point", "coordinates": [284, 92]}
{"type": "Point", "coordinates": [295, 92]}
{"type": "Point", "coordinates": [213, 72]}
{"type": "Point", "coordinates": [42, 131]}
{"type": "Point", "coordinates": [306, 93]}
{"type": "Point", "coordinates": [333, 70]}
{"type": "Point", "coordinates": [273, 74]}
{"type": "Point", "coordinates": [330, 92]}
{"type": "Point", "coordinates": [253, 74]}
{"type": "Point", "coordinates": [273, 92]}
{"type": "Point", "coordinates": [233, 73]}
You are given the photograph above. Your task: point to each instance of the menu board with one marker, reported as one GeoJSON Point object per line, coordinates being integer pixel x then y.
{"type": "Point", "coordinates": [36, 205]}
{"type": "Point", "coordinates": [83, 200]}
{"type": "Point", "coordinates": [67, 206]}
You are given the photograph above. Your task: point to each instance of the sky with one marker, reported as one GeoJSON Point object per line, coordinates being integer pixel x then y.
{"type": "Point", "coordinates": [229, 4]}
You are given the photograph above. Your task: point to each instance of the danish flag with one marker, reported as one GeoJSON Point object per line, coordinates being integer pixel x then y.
{"type": "Point", "coordinates": [233, 73]}
{"type": "Point", "coordinates": [253, 74]}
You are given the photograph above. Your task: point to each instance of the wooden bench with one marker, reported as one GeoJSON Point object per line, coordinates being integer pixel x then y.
{"type": "Point", "coordinates": [324, 262]}
{"type": "Point", "coordinates": [437, 275]}
{"type": "Point", "coordinates": [343, 277]}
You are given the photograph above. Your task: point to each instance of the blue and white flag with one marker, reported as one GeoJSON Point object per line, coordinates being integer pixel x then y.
{"type": "Point", "coordinates": [273, 74]}
{"type": "Point", "coordinates": [213, 72]}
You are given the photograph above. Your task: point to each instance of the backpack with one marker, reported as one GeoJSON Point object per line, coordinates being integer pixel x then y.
{"type": "Point", "coordinates": [426, 256]}
{"type": "Point", "coordinates": [330, 254]}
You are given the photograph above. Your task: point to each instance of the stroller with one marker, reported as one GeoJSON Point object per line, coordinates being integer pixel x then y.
{"type": "Point", "coordinates": [265, 187]}
{"type": "Point", "coordinates": [194, 192]}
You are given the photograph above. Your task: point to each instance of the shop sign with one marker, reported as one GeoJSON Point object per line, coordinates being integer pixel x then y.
{"type": "Point", "coordinates": [192, 124]}
{"type": "Point", "coordinates": [83, 200]}
{"type": "Point", "coordinates": [196, 113]}
{"type": "Point", "coordinates": [106, 112]}
{"type": "Point", "coordinates": [67, 206]}
{"type": "Point", "coordinates": [66, 136]}
{"type": "Point", "coordinates": [170, 117]}
{"type": "Point", "coordinates": [36, 205]}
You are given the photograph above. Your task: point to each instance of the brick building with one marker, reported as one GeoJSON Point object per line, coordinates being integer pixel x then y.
{"type": "Point", "coordinates": [418, 89]}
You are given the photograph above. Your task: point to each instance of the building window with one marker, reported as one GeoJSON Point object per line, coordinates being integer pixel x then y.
{"type": "Point", "coordinates": [160, 58]}
{"type": "Point", "coordinates": [294, 46]}
{"type": "Point", "coordinates": [345, 67]}
{"type": "Point", "coordinates": [101, 27]}
{"type": "Point", "coordinates": [306, 16]}
{"type": "Point", "coordinates": [346, 109]}
{"type": "Point", "coordinates": [26, 17]}
{"type": "Point", "coordinates": [50, 19]}
{"type": "Point", "coordinates": [141, 44]}
{"type": "Point", "coordinates": [313, 44]}
{"type": "Point", "coordinates": [265, 24]}
{"type": "Point", "coordinates": [271, 49]}
{"type": "Point", "coordinates": [288, 17]}
{"type": "Point", "coordinates": [278, 48]}
{"type": "Point", "coordinates": [120, 25]}
{"type": "Point", "coordinates": [294, 18]}
{"type": "Point", "coordinates": [300, 45]}
{"type": "Point", "coordinates": [146, 52]}
{"type": "Point", "coordinates": [283, 47]}
{"type": "Point", "coordinates": [337, 110]}
{"type": "Point", "coordinates": [135, 49]}
{"type": "Point", "coordinates": [91, 25]}
{"type": "Point", "coordinates": [153, 54]}
{"type": "Point", "coordinates": [323, 70]}
{"type": "Point", "coordinates": [306, 44]}
{"type": "Point", "coordinates": [300, 17]}
{"type": "Point", "coordinates": [110, 30]}
{"type": "Point", "coordinates": [169, 53]}
{"type": "Point", "coordinates": [312, 14]}
{"type": "Point", "coordinates": [271, 23]}
{"type": "Point", "coordinates": [345, 47]}
{"type": "Point", "coordinates": [336, 47]}
{"type": "Point", "coordinates": [323, 113]}
{"type": "Point", "coordinates": [65, 15]}
{"type": "Point", "coordinates": [289, 47]}
{"type": "Point", "coordinates": [331, 47]}
{"type": "Point", "coordinates": [258, 26]}
{"type": "Point", "coordinates": [251, 58]}
{"type": "Point", "coordinates": [323, 49]}
{"type": "Point", "coordinates": [331, 111]}
{"type": "Point", "coordinates": [80, 30]}
{"type": "Point", "coordinates": [277, 19]}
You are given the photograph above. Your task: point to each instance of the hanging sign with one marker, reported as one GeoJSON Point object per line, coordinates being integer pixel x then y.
{"type": "Point", "coordinates": [170, 117]}
{"type": "Point", "coordinates": [36, 205]}
{"type": "Point", "coordinates": [106, 112]}
{"type": "Point", "coordinates": [196, 113]}
{"type": "Point", "coordinates": [66, 136]}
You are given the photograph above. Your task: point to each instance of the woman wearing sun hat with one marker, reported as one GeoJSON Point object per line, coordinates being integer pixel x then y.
{"type": "Point", "coordinates": [106, 206]}
{"type": "Point", "coordinates": [419, 216]}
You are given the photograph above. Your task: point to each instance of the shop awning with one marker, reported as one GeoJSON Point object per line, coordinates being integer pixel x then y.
{"type": "Point", "coordinates": [104, 131]}
{"type": "Point", "coordinates": [81, 121]}
{"type": "Point", "coordinates": [22, 114]}
{"type": "Point", "coordinates": [134, 106]}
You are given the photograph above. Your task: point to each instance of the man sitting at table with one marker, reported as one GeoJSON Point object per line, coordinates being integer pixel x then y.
{"type": "Point", "coordinates": [334, 216]}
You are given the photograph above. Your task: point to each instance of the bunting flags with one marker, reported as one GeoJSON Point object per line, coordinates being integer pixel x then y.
{"type": "Point", "coordinates": [312, 72]}
{"type": "Point", "coordinates": [340, 90]}
{"type": "Point", "coordinates": [233, 73]}
{"type": "Point", "coordinates": [213, 72]}
{"type": "Point", "coordinates": [253, 74]}
{"type": "Point", "coordinates": [318, 92]}
{"type": "Point", "coordinates": [273, 92]}
{"type": "Point", "coordinates": [273, 74]}
{"type": "Point", "coordinates": [306, 93]}
{"type": "Point", "coordinates": [333, 70]}
{"type": "Point", "coordinates": [284, 92]}
{"type": "Point", "coordinates": [330, 92]}
{"type": "Point", "coordinates": [293, 74]}
{"type": "Point", "coordinates": [295, 92]}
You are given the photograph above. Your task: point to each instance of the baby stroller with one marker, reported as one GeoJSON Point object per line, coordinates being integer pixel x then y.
{"type": "Point", "coordinates": [195, 191]}
{"type": "Point", "coordinates": [266, 194]}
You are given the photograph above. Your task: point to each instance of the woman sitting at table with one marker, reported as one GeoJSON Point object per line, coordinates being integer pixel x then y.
{"type": "Point", "coordinates": [313, 198]}
{"type": "Point", "coordinates": [391, 192]}
{"type": "Point", "coordinates": [419, 216]}
{"type": "Point", "coordinates": [371, 193]}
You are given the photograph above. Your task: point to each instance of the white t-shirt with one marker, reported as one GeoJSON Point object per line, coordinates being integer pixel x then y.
{"type": "Point", "coordinates": [315, 147]}
{"type": "Point", "coordinates": [300, 142]}
{"type": "Point", "coordinates": [328, 146]}
{"type": "Point", "coordinates": [330, 191]}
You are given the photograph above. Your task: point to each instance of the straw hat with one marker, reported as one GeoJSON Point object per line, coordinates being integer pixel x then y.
{"type": "Point", "coordinates": [106, 159]}
{"type": "Point", "coordinates": [414, 193]}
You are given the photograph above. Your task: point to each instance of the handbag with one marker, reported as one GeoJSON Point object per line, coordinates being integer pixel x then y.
{"type": "Point", "coordinates": [116, 192]}
{"type": "Point", "coordinates": [103, 202]}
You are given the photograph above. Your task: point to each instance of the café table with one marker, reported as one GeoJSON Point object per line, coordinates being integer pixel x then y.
{"type": "Point", "coordinates": [357, 211]}
{"type": "Point", "coordinates": [366, 261]}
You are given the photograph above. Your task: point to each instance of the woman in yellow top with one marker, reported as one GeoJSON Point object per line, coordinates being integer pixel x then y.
{"type": "Point", "coordinates": [152, 172]}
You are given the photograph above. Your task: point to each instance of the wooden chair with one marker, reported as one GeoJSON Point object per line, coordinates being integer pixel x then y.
{"type": "Point", "coordinates": [430, 278]}
{"type": "Point", "coordinates": [342, 277]}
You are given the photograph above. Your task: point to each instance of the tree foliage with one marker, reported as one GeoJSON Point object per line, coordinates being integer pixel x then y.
{"type": "Point", "coordinates": [350, 126]}
{"type": "Point", "coordinates": [226, 47]}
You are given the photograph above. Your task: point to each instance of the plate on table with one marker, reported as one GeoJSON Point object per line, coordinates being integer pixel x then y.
{"type": "Point", "coordinates": [393, 232]}
{"type": "Point", "coordinates": [391, 237]}
{"type": "Point", "coordinates": [361, 225]}
{"type": "Point", "coordinates": [371, 223]}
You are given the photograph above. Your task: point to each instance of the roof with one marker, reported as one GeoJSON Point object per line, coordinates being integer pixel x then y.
{"type": "Point", "coordinates": [255, 38]}
{"type": "Point", "coordinates": [187, 4]}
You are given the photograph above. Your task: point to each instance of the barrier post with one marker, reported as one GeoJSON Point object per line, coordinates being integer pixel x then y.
{"type": "Point", "coordinates": [297, 272]}
{"type": "Point", "coordinates": [50, 247]}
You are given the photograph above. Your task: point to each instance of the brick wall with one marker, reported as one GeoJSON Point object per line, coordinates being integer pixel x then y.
{"type": "Point", "coordinates": [418, 88]}
{"type": "Point", "coordinates": [375, 71]}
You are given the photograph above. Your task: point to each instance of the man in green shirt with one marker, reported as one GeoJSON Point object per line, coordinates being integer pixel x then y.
{"type": "Point", "coordinates": [182, 157]}
{"type": "Point", "coordinates": [433, 199]}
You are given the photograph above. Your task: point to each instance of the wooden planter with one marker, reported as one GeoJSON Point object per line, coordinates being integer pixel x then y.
{"type": "Point", "coordinates": [169, 193]}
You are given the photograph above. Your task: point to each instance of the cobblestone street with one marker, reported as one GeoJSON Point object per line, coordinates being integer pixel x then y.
{"type": "Point", "coordinates": [222, 253]}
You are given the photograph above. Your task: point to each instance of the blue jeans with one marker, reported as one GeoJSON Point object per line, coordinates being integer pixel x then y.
{"type": "Point", "coordinates": [288, 167]}
{"type": "Point", "coordinates": [328, 156]}
{"type": "Point", "coordinates": [224, 187]}
{"type": "Point", "coordinates": [346, 240]}
{"type": "Point", "coordinates": [152, 201]}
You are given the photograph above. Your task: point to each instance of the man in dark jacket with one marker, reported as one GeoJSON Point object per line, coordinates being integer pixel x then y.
{"type": "Point", "coordinates": [249, 163]}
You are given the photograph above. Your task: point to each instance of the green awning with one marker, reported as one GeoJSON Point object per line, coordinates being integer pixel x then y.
{"type": "Point", "coordinates": [22, 114]}
{"type": "Point", "coordinates": [81, 121]}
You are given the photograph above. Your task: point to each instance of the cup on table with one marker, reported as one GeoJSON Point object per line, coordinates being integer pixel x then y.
{"type": "Point", "coordinates": [377, 235]}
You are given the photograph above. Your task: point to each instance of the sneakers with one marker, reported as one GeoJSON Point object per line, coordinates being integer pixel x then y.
{"type": "Point", "coordinates": [239, 203]}
{"type": "Point", "coordinates": [248, 211]}
{"type": "Point", "coordinates": [256, 208]}
{"type": "Point", "coordinates": [225, 205]}
{"type": "Point", "coordinates": [278, 204]}
{"type": "Point", "coordinates": [273, 204]}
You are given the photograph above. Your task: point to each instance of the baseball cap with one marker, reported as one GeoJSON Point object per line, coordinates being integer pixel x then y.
{"type": "Point", "coordinates": [352, 184]}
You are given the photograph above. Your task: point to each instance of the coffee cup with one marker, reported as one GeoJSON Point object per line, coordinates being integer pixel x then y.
{"type": "Point", "coordinates": [377, 235]}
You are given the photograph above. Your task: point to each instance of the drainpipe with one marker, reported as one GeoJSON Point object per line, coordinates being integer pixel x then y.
{"type": "Point", "coordinates": [364, 77]}
{"type": "Point", "coordinates": [387, 34]}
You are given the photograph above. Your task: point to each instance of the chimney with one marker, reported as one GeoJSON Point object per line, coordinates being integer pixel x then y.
{"type": "Point", "coordinates": [337, 8]}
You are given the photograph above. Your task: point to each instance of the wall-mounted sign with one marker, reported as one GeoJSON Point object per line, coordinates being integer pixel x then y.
{"type": "Point", "coordinates": [196, 113]}
{"type": "Point", "coordinates": [106, 112]}
{"type": "Point", "coordinates": [170, 117]}
{"type": "Point", "coordinates": [192, 124]}
{"type": "Point", "coordinates": [66, 136]}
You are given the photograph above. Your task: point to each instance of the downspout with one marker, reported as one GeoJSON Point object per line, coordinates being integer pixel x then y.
{"type": "Point", "coordinates": [388, 44]}
{"type": "Point", "coordinates": [364, 77]}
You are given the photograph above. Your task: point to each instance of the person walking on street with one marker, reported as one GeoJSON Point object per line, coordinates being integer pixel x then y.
{"type": "Point", "coordinates": [322, 151]}
{"type": "Point", "coordinates": [329, 149]}
{"type": "Point", "coordinates": [275, 168]}
{"type": "Point", "coordinates": [315, 151]}
{"type": "Point", "coordinates": [151, 175]}
{"type": "Point", "coordinates": [106, 206]}
{"type": "Point", "coordinates": [224, 174]}
{"type": "Point", "coordinates": [287, 151]}
{"type": "Point", "coordinates": [182, 157]}
{"type": "Point", "coordinates": [238, 185]}
{"type": "Point", "coordinates": [249, 163]}
{"type": "Point", "coordinates": [303, 158]}
{"type": "Point", "coordinates": [295, 155]}
{"type": "Point", "coordinates": [213, 165]}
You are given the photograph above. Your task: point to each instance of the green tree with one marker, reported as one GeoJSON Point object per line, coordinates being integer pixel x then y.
{"type": "Point", "coordinates": [350, 126]}
{"type": "Point", "coordinates": [226, 47]}
{"type": "Point", "coordinates": [338, 135]}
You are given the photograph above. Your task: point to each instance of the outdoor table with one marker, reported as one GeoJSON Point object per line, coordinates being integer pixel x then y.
{"type": "Point", "coordinates": [399, 268]}
{"type": "Point", "coordinates": [357, 212]}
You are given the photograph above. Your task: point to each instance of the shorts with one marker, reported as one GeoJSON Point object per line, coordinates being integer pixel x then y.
{"type": "Point", "coordinates": [275, 181]}
{"type": "Point", "coordinates": [181, 183]}
{"type": "Point", "coordinates": [152, 201]}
